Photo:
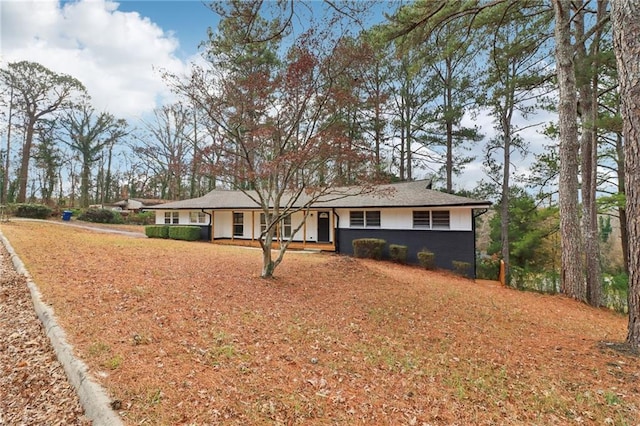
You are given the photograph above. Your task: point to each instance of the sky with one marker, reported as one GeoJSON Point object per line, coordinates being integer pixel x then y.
{"type": "Point", "coordinates": [118, 50]}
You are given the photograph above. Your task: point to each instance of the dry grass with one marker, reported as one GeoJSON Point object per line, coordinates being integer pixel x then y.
{"type": "Point", "coordinates": [187, 333]}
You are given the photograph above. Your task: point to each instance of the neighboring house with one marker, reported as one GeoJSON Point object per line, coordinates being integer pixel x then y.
{"type": "Point", "coordinates": [135, 205]}
{"type": "Point", "coordinates": [407, 213]}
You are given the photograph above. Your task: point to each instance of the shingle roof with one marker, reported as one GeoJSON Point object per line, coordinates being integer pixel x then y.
{"type": "Point", "coordinates": [405, 194]}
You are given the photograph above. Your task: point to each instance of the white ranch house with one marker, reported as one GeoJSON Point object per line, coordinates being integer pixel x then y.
{"type": "Point", "coordinates": [409, 214]}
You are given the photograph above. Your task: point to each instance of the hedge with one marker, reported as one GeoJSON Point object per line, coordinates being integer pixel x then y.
{"type": "Point", "coordinates": [187, 233]}
{"type": "Point", "coordinates": [368, 248]}
{"type": "Point", "coordinates": [101, 216]}
{"type": "Point", "coordinates": [33, 211]}
{"type": "Point", "coordinates": [157, 231]}
{"type": "Point", "coordinates": [461, 268]}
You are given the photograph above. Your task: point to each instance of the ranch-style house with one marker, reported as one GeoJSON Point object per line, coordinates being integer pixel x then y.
{"type": "Point", "coordinates": [405, 213]}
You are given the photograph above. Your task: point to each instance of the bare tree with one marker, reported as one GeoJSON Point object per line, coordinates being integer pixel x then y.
{"type": "Point", "coordinates": [165, 147]}
{"type": "Point", "coordinates": [274, 121]}
{"type": "Point", "coordinates": [88, 134]}
{"type": "Point", "coordinates": [36, 93]}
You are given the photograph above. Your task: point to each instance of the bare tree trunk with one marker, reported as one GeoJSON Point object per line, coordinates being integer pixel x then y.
{"type": "Point", "coordinates": [622, 212]}
{"type": "Point", "coordinates": [504, 209]}
{"type": "Point", "coordinates": [449, 130]}
{"type": "Point", "coordinates": [108, 184]}
{"type": "Point", "coordinates": [588, 92]}
{"type": "Point", "coordinates": [626, 28]}
{"type": "Point", "coordinates": [268, 265]}
{"type": "Point", "coordinates": [572, 282]}
{"type": "Point", "coordinates": [7, 163]}
{"type": "Point", "coordinates": [409, 135]}
{"type": "Point", "coordinates": [24, 164]}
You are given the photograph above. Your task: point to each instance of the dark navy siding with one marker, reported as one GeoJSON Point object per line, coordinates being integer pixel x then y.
{"type": "Point", "coordinates": [205, 232]}
{"type": "Point", "coordinates": [446, 245]}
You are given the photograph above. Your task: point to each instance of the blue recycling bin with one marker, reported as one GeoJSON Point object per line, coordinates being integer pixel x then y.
{"type": "Point", "coordinates": [66, 215]}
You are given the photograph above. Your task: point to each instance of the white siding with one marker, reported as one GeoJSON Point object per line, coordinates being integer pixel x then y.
{"type": "Point", "coordinates": [296, 219]}
{"type": "Point", "coordinates": [312, 227]}
{"type": "Point", "coordinates": [183, 217]}
{"type": "Point", "coordinates": [402, 218]}
{"type": "Point", "coordinates": [159, 217]}
{"type": "Point", "coordinates": [222, 224]}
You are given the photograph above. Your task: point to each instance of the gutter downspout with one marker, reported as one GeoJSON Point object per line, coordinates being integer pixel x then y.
{"type": "Point", "coordinates": [475, 213]}
{"type": "Point", "coordinates": [211, 225]}
{"type": "Point", "coordinates": [336, 229]}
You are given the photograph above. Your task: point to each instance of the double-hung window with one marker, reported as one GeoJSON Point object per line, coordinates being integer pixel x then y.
{"type": "Point", "coordinates": [197, 217]}
{"type": "Point", "coordinates": [440, 219]}
{"type": "Point", "coordinates": [422, 219]}
{"type": "Point", "coordinates": [285, 226]}
{"type": "Point", "coordinates": [171, 218]}
{"type": "Point", "coordinates": [283, 229]}
{"type": "Point", "coordinates": [364, 219]}
{"type": "Point", "coordinates": [431, 219]}
{"type": "Point", "coordinates": [238, 224]}
{"type": "Point", "coordinates": [263, 223]}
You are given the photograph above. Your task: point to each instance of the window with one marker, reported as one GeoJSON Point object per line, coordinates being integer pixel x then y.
{"type": "Point", "coordinates": [421, 219]}
{"type": "Point", "coordinates": [364, 219]}
{"type": "Point", "coordinates": [440, 219]}
{"type": "Point", "coordinates": [431, 219]}
{"type": "Point", "coordinates": [372, 219]}
{"type": "Point", "coordinates": [238, 224]}
{"type": "Point", "coordinates": [197, 217]}
{"type": "Point", "coordinates": [286, 226]}
{"type": "Point", "coordinates": [171, 218]}
{"type": "Point", "coordinates": [263, 223]}
{"type": "Point", "coordinates": [356, 219]}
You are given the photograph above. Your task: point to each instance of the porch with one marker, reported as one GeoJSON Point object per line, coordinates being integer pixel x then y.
{"type": "Point", "coordinates": [294, 245]}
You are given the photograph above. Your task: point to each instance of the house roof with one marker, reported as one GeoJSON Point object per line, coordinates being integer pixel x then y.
{"type": "Point", "coordinates": [404, 194]}
{"type": "Point", "coordinates": [145, 202]}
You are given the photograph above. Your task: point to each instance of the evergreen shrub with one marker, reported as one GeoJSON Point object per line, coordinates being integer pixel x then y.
{"type": "Point", "coordinates": [187, 233]}
{"type": "Point", "coordinates": [398, 253]}
{"type": "Point", "coordinates": [488, 268]}
{"type": "Point", "coordinates": [461, 268]}
{"type": "Point", "coordinates": [368, 248]}
{"type": "Point", "coordinates": [101, 216]}
{"type": "Point", "coordinates": [427, 259]}
{"type": "Point", "coordinates": [33, 211]}
{"type": "Point", "coordinates": [157, 231]}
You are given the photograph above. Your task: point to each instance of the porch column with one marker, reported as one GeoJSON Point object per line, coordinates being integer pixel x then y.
{"type": "Point", "coordinates": [253, 225]}
{"type": "Point", "coordinates": [304, 232]}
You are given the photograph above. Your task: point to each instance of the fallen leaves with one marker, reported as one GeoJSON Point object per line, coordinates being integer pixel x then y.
{"type": "Point", "coordinates": [188, 333]}
{"type": "Point", "coordinates": [33, 387]}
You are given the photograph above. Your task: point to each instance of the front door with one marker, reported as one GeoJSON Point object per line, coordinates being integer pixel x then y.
{"type": "Point", "coordinates": [323, 227]}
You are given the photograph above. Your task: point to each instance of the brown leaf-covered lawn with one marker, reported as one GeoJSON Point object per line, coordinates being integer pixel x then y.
{"type": "Point", "coordinates": [187, 333]}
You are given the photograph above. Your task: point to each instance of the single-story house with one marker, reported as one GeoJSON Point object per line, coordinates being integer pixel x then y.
{"type": "Point", "coordinates": [406, 213]}
{"type": "Point", "coordinates": [134, 205]}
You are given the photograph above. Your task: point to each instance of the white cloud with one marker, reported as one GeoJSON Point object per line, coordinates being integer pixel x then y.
{"type": "Point", "coordinates": [116, 55]}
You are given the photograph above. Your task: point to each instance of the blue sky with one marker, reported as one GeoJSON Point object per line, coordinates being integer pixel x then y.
{"type": "Point", "coordinates": [188, 20]}
{"type": "Point", "coordinates": [119, 48]}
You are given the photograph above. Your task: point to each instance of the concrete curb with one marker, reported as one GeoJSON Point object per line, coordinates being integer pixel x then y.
{"type": "Point", "coordinates": [93, 397]}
